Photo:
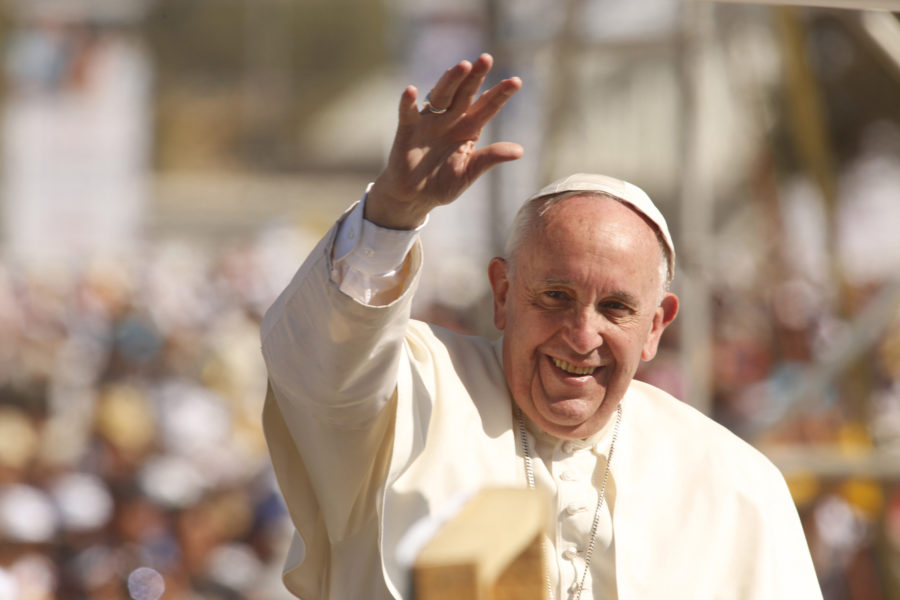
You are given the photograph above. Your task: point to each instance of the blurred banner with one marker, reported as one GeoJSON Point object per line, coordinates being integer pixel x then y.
{"type": "Point", "coordinates": [76, 134]}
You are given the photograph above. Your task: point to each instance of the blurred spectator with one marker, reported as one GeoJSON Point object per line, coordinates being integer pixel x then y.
{"type": "Point", "coordinates": [132, 463]}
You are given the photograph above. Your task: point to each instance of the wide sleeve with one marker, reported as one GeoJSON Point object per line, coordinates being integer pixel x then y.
{"type": "Point", "coordinates": [327, 352]}
{"type": "Point", "coordinates": [332, 366]}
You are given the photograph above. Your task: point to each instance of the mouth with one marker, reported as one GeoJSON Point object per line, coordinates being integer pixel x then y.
{"type": "Point", "coordinates": [573, 369]}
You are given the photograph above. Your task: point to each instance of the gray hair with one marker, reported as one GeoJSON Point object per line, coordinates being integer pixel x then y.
{"type": "Point", "coordinates": [530, 213]}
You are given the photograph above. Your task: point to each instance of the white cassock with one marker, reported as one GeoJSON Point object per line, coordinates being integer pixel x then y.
{"type": "Point", "coordinates": [375, 421]}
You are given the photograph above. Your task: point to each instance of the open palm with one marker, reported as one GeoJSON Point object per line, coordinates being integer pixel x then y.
{"type": "Point", "coordinates": [434, 157]}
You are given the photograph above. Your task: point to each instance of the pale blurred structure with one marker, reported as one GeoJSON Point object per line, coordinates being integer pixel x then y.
{"type": "Point", "coordinates": [76, 133]}
{"type": "Point", "coordinates": [167, 164]}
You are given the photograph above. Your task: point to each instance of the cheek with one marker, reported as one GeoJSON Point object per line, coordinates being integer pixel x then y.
{"type": "Point", "coordinates": [628, 346]}
{"type": "Point", "coordinates": [648, 342]}
{"type": "Point", "coordinates": [535, 328]}
{"type": "Point", "coordinates": [525, 337]}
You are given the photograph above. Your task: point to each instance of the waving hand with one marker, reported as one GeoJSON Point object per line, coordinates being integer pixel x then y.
{"type": "Point", "coordinates": [434, 157]}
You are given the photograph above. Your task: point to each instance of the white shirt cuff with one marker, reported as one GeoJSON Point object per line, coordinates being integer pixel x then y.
{"type": "Point", "coordinates": [367, 257]}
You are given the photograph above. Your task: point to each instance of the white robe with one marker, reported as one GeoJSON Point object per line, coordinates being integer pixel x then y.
{"type": "Point", "coordinates": [375, 420]}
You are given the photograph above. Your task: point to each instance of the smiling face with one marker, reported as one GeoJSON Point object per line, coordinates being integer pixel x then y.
{"type": "Point", "coordinates": [580, 307]}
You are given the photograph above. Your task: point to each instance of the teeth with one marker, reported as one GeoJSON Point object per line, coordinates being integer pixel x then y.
{"type": "Point", "coordinates": [570, 368]}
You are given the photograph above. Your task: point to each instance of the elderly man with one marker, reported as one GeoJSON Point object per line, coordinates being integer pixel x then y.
{"type": "Point", "coordinates": [375, 420]}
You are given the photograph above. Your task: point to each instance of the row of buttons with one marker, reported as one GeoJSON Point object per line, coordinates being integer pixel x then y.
{"type": "Point", "coordinates": [569, 448]}
{"type": "Point", "coordinates": [570, 554]}
{"type": "Point", "coordinates": [570, 475]}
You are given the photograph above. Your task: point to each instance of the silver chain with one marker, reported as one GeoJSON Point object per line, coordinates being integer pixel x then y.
{"type": "Point", "coordinates": [529, 476]}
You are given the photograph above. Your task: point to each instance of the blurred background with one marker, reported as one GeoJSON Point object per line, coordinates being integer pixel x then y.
{"type": "Point", "coordinates": [165, 165]}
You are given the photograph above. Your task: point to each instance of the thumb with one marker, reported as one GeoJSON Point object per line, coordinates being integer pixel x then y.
{"type": "Point", "coordinates": [490, 156]}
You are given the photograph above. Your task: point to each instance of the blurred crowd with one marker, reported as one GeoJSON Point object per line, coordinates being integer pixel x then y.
{"type": "Point", "coordinates": [132, 462]}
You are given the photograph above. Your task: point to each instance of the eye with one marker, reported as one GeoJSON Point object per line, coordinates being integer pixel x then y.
{"type": "Point", "coordinates": [556, 295]}
{"type": "Point", "coordinates": [554, 298]}
{"type": "Point", "coordinates": [615, 308]}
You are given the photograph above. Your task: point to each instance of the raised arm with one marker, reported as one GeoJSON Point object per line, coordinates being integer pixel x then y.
{"type": "Point", "coordinates": [434, 157]}
{"type": "Point", "coordinates": [334, 359]}
{"type": "Point", "coordinates": [339, 353]}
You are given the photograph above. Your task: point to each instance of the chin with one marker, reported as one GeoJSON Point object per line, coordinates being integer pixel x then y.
{"type": "Point", "coordinates": [573, 418]}
{"type": "Point", "coordinates": [571, 412]}
{"type": "Point", "coordinates": [567, 432]}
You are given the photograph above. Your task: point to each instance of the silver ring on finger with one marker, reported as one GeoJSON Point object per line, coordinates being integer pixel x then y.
{"type": "Point", "coordinates": [432, 108]}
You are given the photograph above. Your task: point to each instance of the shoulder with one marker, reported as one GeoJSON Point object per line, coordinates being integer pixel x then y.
{"type": "Point", "coordinates": [668, 425]}
{"type": "Point", "coordinates": [673, 421]}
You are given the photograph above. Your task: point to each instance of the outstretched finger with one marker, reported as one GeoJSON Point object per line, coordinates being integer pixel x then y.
{"type": "Point", "coordinates": [408, 109]}
{"type": "Point", "coordinates": [469, 86]}
{"type": "Point", "coordinates": [491, 101]}
{"type": "Point", "coordinates": [441, 95]}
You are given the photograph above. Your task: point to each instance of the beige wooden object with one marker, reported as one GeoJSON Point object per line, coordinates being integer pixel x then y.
{"type": "Point", "coordinates": [491, 550]}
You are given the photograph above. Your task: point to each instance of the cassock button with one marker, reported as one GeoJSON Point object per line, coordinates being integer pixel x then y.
{"type": "Point", "coordinates": [570, 553]}
{"type": "Point", "coordinates": [569, 476]}
{"type": "Point", "coordinates": [569, 448]}
{"type": "Point", "coordinates": [600, 450]}
{"type": "Point", "coordinates": [573, 589]}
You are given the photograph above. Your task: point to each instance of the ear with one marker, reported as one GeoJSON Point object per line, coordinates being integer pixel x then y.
{"type": "Point", "coordinates": [497, 273]}
{"type": "Point", "coordinates": [665, 314]}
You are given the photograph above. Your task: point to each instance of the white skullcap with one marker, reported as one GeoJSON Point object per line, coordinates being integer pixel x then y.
{"type": "Point", "coordinates": [624, 191]}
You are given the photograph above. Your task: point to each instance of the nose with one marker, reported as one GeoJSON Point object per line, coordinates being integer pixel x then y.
{"type": "Point", "coordinates": [584, 330]}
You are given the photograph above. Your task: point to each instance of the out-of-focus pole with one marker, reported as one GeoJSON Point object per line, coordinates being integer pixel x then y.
{"type": "Point", "coordinates": [566, 48]}
{"type": "Point", "coordinates": [696, 214]}
{"type": "Point", "coordinates": [496, 195]}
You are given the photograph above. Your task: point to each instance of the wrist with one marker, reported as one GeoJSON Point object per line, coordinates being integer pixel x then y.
{"type": "Point", "coordinates": [387, 210]}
